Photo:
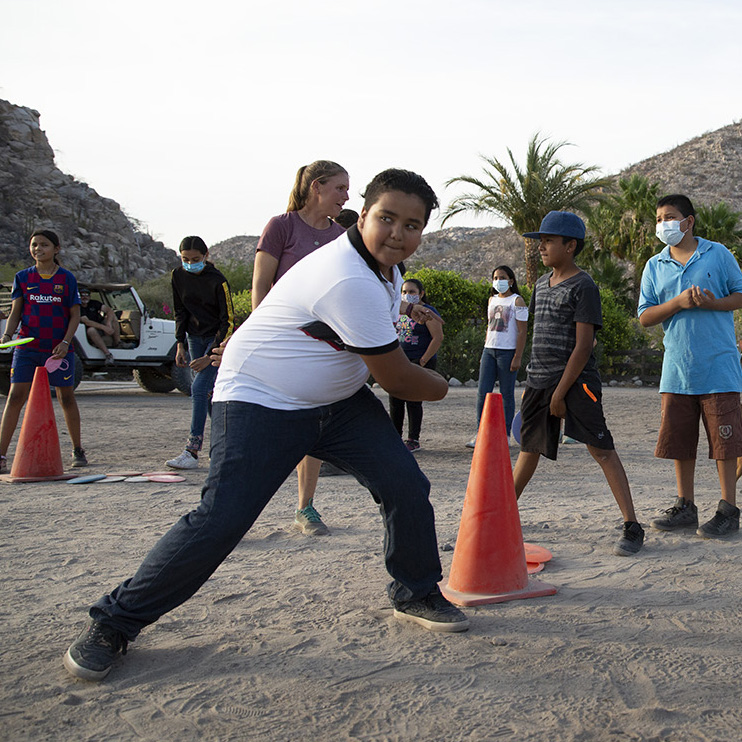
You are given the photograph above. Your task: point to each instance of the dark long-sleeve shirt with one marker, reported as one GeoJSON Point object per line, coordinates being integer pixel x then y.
{"type": "Point", "coordinates": [202, 304]}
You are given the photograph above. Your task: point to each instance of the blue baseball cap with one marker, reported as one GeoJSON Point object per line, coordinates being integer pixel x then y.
{"type": "Point", "coordinates": [562, 223]}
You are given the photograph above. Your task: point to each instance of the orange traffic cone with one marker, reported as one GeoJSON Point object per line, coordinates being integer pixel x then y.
{"type": "Point", "coordinates": [489, 562]}
{"type": "Point", "coordinates": [37, 455]}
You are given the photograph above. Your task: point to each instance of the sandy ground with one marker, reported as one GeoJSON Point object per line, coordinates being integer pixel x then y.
{"type": "Point", "coordinates": [293, 637]}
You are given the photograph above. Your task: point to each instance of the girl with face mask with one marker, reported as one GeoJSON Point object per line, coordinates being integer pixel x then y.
{"type": "Point", "coordinates": [204, 317]}
{"type": "Point", "coordinates": [507, 326]}
{"type": "Point", "coordinates": [420, 343]}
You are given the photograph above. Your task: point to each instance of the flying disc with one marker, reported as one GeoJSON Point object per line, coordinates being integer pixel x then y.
{"type": "Point", "coordinates": [87, 479]}
{"type": "Point", "coordinates": [123, 474]}
{"type": "Point", "coordinates": [110, 479]}
{"type": "Point", "coordinates": [170, 473]}
{"type": "Point", "coordinates": [536, 553]}
{"type": "Point", "coordinates": [17, 341]}
{"type": "Point", "coordinates": [166, 478]}
{"type": "Point", "coordinates": [138, 478]}
{"type": "Point", "coordinates": [52, 364]}
{"type": "Point", "coordinates": [534, 567]}
{"type": "Point", "coordinates": [515, 428]}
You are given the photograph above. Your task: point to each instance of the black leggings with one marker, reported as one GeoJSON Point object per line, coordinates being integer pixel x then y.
{"type": "Point", "coordinates": [414, 411]}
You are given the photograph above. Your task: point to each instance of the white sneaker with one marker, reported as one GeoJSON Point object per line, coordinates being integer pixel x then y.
{"type": "Point", "coordinates": [186, 460]}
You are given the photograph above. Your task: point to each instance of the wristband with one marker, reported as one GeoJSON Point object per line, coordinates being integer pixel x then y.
{"type": "Point", "coordinates": [66, 342]}
{"type": "Point", "coordinates": [408, 310]}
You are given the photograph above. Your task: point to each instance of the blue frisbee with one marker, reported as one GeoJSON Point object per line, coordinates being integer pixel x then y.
{"type": "Point", "coordinates": [87, 479]}
{"type": "Point", "coordinates": [515, 428]}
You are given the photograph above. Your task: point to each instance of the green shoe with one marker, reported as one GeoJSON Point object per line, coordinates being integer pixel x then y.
{"type": "Point", "coordinates": [308, 521]}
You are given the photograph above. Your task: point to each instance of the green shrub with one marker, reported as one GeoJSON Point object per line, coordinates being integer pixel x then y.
{"type": "Point", "coordinates": [460, 353]}
{"type": "Point", "coordinates": [157, 296]}
{"type": "Point", "coordinates": [238, 275]}
{"type": "Point", "coordinates": [458, 300]}
{"type": "Point", "coordinates": [620, 331]}
{"type": "Point", "coordinates": [242, 302]}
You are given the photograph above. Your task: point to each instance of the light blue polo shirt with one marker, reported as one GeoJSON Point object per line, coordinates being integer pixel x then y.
{"type": "Point", "coordinates": [701, 355]}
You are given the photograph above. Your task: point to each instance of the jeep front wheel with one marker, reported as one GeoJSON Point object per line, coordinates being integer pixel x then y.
{"type": "Point", "coordinates": [182, 377]}
{"type": "Point", "coordinates": [153, 380]}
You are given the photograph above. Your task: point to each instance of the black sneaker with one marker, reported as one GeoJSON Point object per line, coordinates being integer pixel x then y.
{"type": "Point", "coordinates": [724, 523]}
{"type": "Point", "coordinates": [681, 515]}
{"type": "Point", "coordinates": [91, 655]}
{"type": "Point", "coordinates": [433, 612]}
{"type": "Point", "coordinates": [631, 540]}
{"type": "Point", "coordinates": [78, 458]}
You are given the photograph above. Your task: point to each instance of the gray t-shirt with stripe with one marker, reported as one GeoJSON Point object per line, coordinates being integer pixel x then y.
{"type": "Point", "coordinates": [555, 311]}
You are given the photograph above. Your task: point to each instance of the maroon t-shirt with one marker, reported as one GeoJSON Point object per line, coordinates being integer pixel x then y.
{"type": "Point", "coordinates": [288, 238]}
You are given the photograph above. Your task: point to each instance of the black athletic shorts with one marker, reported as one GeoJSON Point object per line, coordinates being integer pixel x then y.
{"type": "Point", "coordinates": [584, 422]}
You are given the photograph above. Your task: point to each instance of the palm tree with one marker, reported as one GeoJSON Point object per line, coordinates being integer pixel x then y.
{"type": "Point", "coordinates": [720, 223]}
{"type": "Point", "coordinates": [623, 224]}
{"type": "Point", "coordinates": [526, 195]}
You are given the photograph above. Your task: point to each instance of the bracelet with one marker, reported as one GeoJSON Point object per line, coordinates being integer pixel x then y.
{"type": "Point", "coordinates": [408, 310]}
{"type": "Point", "coordinates": [66, 342]}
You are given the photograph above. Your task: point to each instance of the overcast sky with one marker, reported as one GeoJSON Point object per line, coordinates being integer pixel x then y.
{"type": "Point", "coordinates": [195, 116]}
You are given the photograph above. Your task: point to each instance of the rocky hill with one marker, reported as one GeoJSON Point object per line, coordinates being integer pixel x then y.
{"type": "Point", "coordinates": [102, 243]}
{"type": "Point", "coordinates": [708, 168]}
{"type": "Point", "coordinates": [99, 242]}
{"type": "Point", "coordinates": [240, 249]}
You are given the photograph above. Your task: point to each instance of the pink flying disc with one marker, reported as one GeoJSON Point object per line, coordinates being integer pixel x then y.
{"type": "Point", "coordinates": [123, 474]}
{"type": "Point", "coordinates": [158, 473]}
{"type": "Point", "coordinates": [166, 478]}
{"type": "Point", "coordinates": [534, 567]}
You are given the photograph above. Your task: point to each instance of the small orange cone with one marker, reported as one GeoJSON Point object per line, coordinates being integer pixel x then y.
{"type": "Point", "coordinates": [489, 561]}
{"type": "Point", "coordinates": [37, 455]}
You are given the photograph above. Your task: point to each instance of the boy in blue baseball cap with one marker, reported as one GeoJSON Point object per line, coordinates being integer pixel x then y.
{"type": "Point", "coordinates": [563, 379]}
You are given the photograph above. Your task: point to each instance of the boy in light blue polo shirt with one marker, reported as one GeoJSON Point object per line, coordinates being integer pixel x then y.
{"type": "Point", "coordinates": [692, 287]}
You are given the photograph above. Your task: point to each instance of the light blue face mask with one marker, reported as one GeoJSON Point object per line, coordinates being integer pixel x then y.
{"type": "Point", "coordinates": [501, 285]}
{"type": "Point", "coordinates": [193, 267]}
{"type": "Point", "coordinates": [669, 233]}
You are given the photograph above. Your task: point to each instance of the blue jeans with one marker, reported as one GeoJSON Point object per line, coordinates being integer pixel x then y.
{"type": "Point", "coordinates": [253, 450]}
{"type": "Point", "coordinates": [202, 388]}
{"type": "Point", "coordinates": [493, 367]}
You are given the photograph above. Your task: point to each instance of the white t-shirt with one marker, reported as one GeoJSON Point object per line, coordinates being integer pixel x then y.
{"type": "Point", "coordinates": [274, 360]}
{"type": "Point", "coordinates": [502, 318]}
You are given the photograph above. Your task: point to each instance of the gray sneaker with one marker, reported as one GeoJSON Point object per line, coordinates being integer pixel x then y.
{"type": "Point", "coordinates": [681, 515]}
{"type": "Point", "coordinates": [631, 540]}
{"type": "Point", "coordinates": [724, 523]}
{"type": "Point", "coordinates": [91, 655]}
{"type": "Point", "coordinates": [308, 521]}
{"type": "Point", "coordinates": [433, 612]}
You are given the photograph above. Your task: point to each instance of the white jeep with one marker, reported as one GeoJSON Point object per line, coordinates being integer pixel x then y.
{"type": "Point", "coordinates": [151, 356]}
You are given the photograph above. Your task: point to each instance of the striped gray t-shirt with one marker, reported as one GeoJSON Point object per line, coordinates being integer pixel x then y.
{"type": "Point", "coordinates": [555, 310]}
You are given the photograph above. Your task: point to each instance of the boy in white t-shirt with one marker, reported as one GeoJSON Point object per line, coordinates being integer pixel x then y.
{"type": "Point", "coordinates": [292, 383]}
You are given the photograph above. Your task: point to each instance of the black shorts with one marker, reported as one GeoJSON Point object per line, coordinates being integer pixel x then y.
{"type": "Point", "coordinates": [539, 432]}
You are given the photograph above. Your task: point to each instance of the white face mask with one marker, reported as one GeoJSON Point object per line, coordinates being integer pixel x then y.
{"type": "Point", "coordinates": [411, 298]}
{"type": "Point", "coordinates": [669, 233]}
{"type": "Point", "coordinates": [501, 285]}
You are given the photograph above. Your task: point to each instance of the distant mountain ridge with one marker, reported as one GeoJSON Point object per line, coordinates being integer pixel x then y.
{"type": "Point", "coordinates": [707, 168]}
{"type": "Point", "coordinates": [100, 242]}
